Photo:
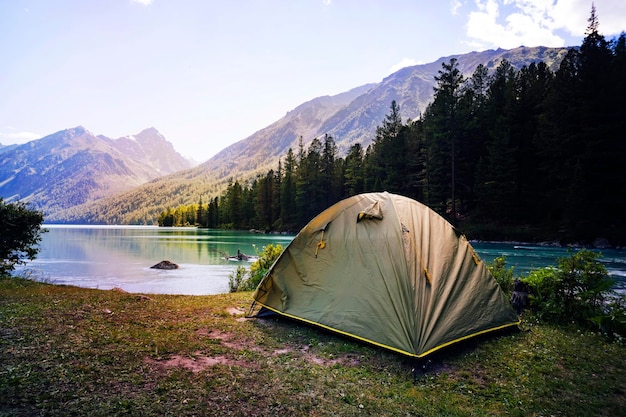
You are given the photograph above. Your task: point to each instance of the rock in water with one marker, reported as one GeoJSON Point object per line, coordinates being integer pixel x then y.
{"type": "Point", "coordinates": [165, 265]}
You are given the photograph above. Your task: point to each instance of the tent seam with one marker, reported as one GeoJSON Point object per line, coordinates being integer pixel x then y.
{"type": "Point", "coordinates": [460, 339]}
{"type": "Point", "coordinates": [324, 326]}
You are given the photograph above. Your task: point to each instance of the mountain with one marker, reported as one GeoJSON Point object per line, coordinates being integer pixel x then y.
{"type": "Point", "coordinates": [74, 166]}
{"type": "Point", "coordinates": [6, 148]}
{"type": "Point", "coordinates": [356, 119]}
{"type": "Point", "coordinates": [348, 117]}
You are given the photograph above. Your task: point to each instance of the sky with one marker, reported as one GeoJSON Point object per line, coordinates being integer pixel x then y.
{"type": "Point", "coordinates": [208, 73]}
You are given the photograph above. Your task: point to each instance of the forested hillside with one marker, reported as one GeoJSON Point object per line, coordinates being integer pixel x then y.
{"type": "Point", "coordinates": [350, 117]}
{"type": "Point", "coordinates": [529, 154]}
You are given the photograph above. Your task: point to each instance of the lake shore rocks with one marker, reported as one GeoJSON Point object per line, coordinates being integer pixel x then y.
{"type": "Point", "coordinates": [165, 265]}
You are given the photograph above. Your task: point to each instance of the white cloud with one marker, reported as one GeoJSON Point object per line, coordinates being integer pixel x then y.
{"type": "Point", "coordinates": [405, 62]}
{"type": "Point", "coordinates": [572, 16]}
{"type": "Point", "coordinates": [455, 5]}
{"type": "Point", "coordinates": [511, 23]}
{"type": "Point", "coordinates": [11, 137]}
{"type": "Point", "coordinates": [327, 2]}
{"type": "Point", "coordinates": [144, 2]}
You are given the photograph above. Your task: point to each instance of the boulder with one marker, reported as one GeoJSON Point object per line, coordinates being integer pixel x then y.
{"type": "Point", "coordinates": [165, 265]}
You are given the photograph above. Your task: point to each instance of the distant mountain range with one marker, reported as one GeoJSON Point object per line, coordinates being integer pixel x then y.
{"type": "Point", "coordinates": [350, 117]}
{"type": "Point", "coordinates": [74, 166]}
{"type": "Point", "coordinates": [6, 148]}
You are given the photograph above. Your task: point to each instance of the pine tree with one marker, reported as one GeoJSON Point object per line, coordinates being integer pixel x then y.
{"type": "Point", "coordinates": [497, 185]}
{"type": "Point", "coordinates": [354, 181]}
{"type": "Point", "coordinates": [288, 206]}
{"type": "Point", "coordinates": [442, 131]}
{"type": "Point", "coordinates": [388, 156]}
{"type": "Point", "coordinates": [200, 216]}
{"type": "Point", "coordinates": [309, 193]}
{"type": "Point", "coordinates": [417, 156]}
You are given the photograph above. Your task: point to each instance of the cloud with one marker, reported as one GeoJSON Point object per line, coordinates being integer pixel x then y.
{"type": "Point", "coordinates": [144, 2]}
{"type": "Point", "coordinates": [12, 137]}
{"type": "Point", "coordinates": [572, 16]}
{"type": "Point", "coordinates": [405, 62]}
{"type": "Point", "coordinates": [511, 23]}
{"type": "Point", "coordinates": [455, 5]}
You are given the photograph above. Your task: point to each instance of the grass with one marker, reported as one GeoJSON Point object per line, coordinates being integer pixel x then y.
{"type": "Point", "coordinates": [71, 351]}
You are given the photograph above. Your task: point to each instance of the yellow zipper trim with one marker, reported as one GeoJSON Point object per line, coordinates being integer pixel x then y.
{"type": "Point", "coordinates": [382, 344]}
{"type": "Point", "coordinates": [469, 336]}
{"type": "Point", "coordinates": [338, 331]}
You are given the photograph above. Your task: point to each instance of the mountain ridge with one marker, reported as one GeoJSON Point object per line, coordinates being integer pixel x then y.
{"type": "Point", "coordinates": [349, 117]}
{"type": "Point", "coordinates": [74, 166]}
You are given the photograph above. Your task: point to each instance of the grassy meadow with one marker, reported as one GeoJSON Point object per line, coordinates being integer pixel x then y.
{"type": "Point", "coordinates": [71, 351]}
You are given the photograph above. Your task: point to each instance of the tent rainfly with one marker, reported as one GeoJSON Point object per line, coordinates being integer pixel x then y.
{"type": "Point", "coordinates": [387, 270]}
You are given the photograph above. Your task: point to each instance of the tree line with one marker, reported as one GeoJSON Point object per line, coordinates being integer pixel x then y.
{"type": "Point", "coordinates": [527, 153]}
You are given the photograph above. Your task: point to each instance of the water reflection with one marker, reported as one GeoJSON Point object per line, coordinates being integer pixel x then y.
{"type": "Point", "coordinates": [106, 257]}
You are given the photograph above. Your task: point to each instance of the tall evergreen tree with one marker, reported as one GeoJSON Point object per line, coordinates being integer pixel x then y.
{"type": "Point", "coordinates": [388, 157]}
{"type": "Point", "coordinates": [213, 220]}
{"type": "Point", "coordinates": [276, 196]}
{"type": "Point", "coordinates": [472, 124]}
{"type": "Point", "coordinates": [309, 194]}
{"type": "Point", "coordinates": [497, 183]}
{"type": "Point", "coordinates": [263, 201]}
{"type": "Point", "coordinates": [200, 216]}
{"type": "Point", "coordinates": [232, 209]}
{"type": "Point", "coordinates": [288, 213]}
{"type": "Point", "coordinates": [417, 157]}
{"type": "Point", "coordinates": [442, 135]}
{"type": "Point", "coordinates": [532, 85]}
{"type": "Point", "coordinates": [354, 171]}
{"type": "Point", "coordinates": [328, 187]}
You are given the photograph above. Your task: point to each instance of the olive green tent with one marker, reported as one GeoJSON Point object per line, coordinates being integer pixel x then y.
{"type": "Point", "coordinates": [387, 270]}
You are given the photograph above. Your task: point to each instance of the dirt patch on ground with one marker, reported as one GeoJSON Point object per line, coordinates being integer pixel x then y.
{"type": "Point", "coordinates": [197, 363]}
{"type": "Point", "coordinates": [235, 311]}
{"type": "Point", "coordinates": [347, 359]}
{"type": "Point", "coordinates": [238, 312]}
{"type": "Point", "coordinates": [225, 338]}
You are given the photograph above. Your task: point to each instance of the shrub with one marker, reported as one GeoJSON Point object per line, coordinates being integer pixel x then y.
{"type": "Point", "coordinates": [502, 274]}
{"type": "Point", "coordinates": [21, 232]}
{"type": "Point", "coordinates": [236, 278]}
{"type": "Point", "coordinates": [613, 321]}
{"type": "Point", "coordinates": [543, 297]}
{"type": "Point", "coordinates": [579, 290]}
{"type": "Point", "coordinates": [244, 280]}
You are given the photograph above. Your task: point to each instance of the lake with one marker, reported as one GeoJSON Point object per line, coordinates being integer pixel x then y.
{"type": "Point", "coordinates": [107, 257]}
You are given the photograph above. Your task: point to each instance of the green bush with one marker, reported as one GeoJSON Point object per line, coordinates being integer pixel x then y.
{"type": "Point", "coordinates": [613, 321]}
{"type": "Point", "coordinates": [543, 284]}
{"type": "Point", "coordinates": [236, 278]}
{"type": "Point", "coordinates": [20, 234]}
{"type": "Point", "coordinates": [579, 290]}
{"type": "Point", "coordinates": [244, 280]}
{"type": "Point", "coordinates": [502, 274]}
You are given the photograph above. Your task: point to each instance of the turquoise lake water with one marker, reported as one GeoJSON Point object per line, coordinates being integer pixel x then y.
{"type": "Point", "coordinates": [107, 257]}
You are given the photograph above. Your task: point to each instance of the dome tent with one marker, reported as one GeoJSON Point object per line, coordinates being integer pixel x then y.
{"type": "Point", "coordinates": [388, 270]}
